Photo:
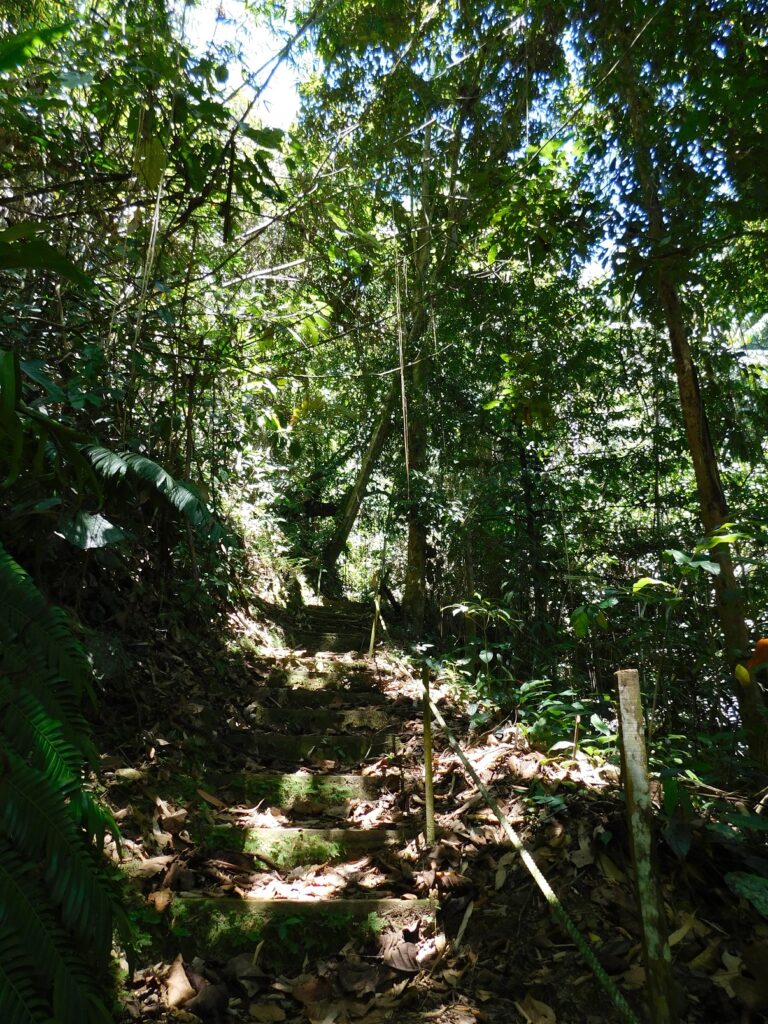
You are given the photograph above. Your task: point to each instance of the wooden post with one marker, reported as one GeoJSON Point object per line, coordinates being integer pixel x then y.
{"type": "Point", "coordinates": [658, 965]}
{"type": "Point", "coordinates": [429, 791]}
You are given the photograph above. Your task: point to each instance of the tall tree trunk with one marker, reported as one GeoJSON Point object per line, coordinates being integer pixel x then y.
{"type": "Point", "coordinates": [415, 591]}
{"type": "Point", "coordinates": [712, 502]}
{"type": "Point", "coordinates": [354, 496]}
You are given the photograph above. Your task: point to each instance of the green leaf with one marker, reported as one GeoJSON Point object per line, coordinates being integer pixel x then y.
{"type": "Point", "coordinates": [86, 531]}
{"type": "Point", "coordinates": [337, 218]}
{"type": "Point", "coordinates": [649, 581]}
{"type": "Point", "coordinates": [751, 887]}
{"type": "Point", "coordinates": [17, 50]}
{"type": "Point", "coordinates": [678, 556]}
{"type": "Point", "coordinates": [35, 254]}
{"type": "Point", "coordinates": [11, 431]}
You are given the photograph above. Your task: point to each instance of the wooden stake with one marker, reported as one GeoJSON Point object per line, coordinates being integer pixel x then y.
{"type": "Point", "coordinates": [429, 791]}
{"type": "Point", "coordinates": [658, 965]}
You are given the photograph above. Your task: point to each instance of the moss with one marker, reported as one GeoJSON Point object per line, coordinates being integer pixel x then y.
{"type": "Point", "coordinates": [287, 850]}
{"type": "Point", "coordinates": [222, 930]}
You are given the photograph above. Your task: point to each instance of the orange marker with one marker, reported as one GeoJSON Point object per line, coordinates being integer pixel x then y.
{"type": "Point", "coordinates": [760, 656]}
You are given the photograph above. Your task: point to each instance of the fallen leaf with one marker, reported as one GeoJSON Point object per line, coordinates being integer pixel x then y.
{"type": "Point", "coordinates": [610, 870]}
{"type": "Point", "coordinates": [176, 988]}
{"type": "Point", "coordinates": [211, 799]}
{"type": "Point", "coordinates": [536, 1012]}
{"type": "Point", "coordinates": [309, 989]}
{"type": "Point", "coordinates": [357, 978]}
{"type": "Point", "coordinates": [210, 1000]}
{"type": "Point", "coordinates": [634, 978]}
{"type": "Point", "coordinates": [160, 899]}
{"type": "Point", "coordinates": [267, 1013]}
{"type": "Point", "coordinates": [323, 1013]}
{"type": "Point", "coordinates": [680, 933]}
{"type": "Point", "coordinates": [147, 867]}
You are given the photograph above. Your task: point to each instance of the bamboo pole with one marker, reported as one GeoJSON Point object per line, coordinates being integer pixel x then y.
{"type": "Point", "coordinates": [634, 762]}
{"type": "Point", "coordinates": [429, 789]}
{"type": "Point", "coordinates": [609, 986]}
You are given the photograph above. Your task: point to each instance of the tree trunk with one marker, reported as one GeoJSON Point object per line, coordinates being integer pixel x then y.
{"type": "Point", "coordinates": [354, 496]}
{"type": "Point", "coordinates": [415, 591]}
{"type": "Point", "coordinates": [712, 502]}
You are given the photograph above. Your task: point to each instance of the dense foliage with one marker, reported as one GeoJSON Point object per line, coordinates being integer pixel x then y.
{"type": "Point", "coordinates": [484, 331]}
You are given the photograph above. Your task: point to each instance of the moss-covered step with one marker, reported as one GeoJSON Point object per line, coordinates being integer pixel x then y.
{"type": "Point", "coordinates": [222, 927]}
{"type": "Point", "coordinates": [350, 748]}
{"type": "Point", "coordinates": [295, 790]}
{"type": "Point", "coordinates": [341, 641]}
{"type": "Point", "coordinates": [318, 696]}
{"type": "Point", "coordinates": [290, 847]}
{"type": "Point", "coordinates": [307, 679]}
{"type": "Point", "coordinates": [309, 719]}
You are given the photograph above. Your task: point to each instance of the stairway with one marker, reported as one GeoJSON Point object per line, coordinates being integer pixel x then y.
{"type": "Point", "coordinates": [309, 846]}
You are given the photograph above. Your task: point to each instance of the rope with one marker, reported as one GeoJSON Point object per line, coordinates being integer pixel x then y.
{"type": "Point", "coordinates": [558, 910]}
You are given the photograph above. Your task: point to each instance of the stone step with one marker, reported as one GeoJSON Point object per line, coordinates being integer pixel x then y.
{"type": "Point", "coordinates": [319, 697]}
{"type": "Point", "coordinates": [350, 748]}
{"type": "Point", "coordinates": [223, 927]}
{"type": "Point", "coordinates": [290, 847]}
{"type": "Point", "coordinates": [300, 719]}
{"type": "Point", "coordinates": [312, 679]}
{"type": "Point", "coordinates": [295, 790]}
{"type": "Point", "coordinates": [338, 642]}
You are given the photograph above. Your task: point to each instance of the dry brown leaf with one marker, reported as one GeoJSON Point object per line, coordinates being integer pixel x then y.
{"type": "Point", "coordinates": [309, 989]}
{"type": "Point", "coordinates": [176, 987]}
{"type": "Point", "coordinates": [634, 978]}
{"type": "Point", "coordinates": [584, 856]}
{"type": "Point", "coordinates": [211, 799]}
{"type": "Point", "coordinates": [323, 1013]}
{"type": "Point", "coordinates": [732, 970]}
{"type": "Point", "coordinates": [267, 1013]}
{"type": "Point", "coordinates": [610, 870]}
{"type": "Point", "coordinates": [210, 1000]}
{"type": "Point", "coordinates": [707, 960]}
{"type": "Point", "coordinates": [148, 867]}
{"type": "Point", "coordinates": [357, 979]}
{"type": "Point", "coordinates": [160, 899]}
{"type": "Point", "coordinates": [536, 1012]}
{"type": "Point", "coordinates": [680, 933]}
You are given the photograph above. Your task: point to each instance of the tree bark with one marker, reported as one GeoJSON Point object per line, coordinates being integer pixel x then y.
{"type": "Point", "coordinates": [712, 501]}
{"type": "Point", "coordinates": [354, 496]}
{"type": "Point", "coordinates": [415, 591]}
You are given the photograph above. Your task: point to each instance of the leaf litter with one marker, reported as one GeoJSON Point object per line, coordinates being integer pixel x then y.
{"type": "Point", "coordinates": [495, 954]}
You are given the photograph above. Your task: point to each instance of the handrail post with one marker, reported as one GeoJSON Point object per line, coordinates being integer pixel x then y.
{"type": "Point", "coordinates": [634, 764]}
{"type": "Point", "coordinates": [429, 790]}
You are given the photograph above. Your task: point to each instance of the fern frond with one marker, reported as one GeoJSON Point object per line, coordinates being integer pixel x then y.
{"type": "Point", "coordinates": [20, 999]}
{"type": "Point", "coordinates": [35, 816]}
{"type": "Point", "coordinates": [114, 465]}
{"type": "Point", "coordinates": [24, 672]}
{"type": "Point", "coordinates": [74, 997]}
{"type": "Point", "coordinates": [34, 734]}
{"type": "Point", "coordinates": [26, 618]}
{"type": "Point", "coordinates": [58, 900]}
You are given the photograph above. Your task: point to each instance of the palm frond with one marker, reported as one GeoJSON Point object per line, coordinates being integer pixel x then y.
{"type": "Point", "coordinates": [117, 465]}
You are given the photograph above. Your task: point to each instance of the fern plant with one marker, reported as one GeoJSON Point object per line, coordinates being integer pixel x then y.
{"type": "Point", "coordinates": [59, 902]}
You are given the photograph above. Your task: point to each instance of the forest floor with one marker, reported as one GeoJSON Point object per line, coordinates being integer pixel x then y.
{"type": "Point", "coordinates": [272, 815]}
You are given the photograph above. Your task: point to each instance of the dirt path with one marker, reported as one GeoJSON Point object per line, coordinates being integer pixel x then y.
{"type": "Point", "coordinates": [274, 836]}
